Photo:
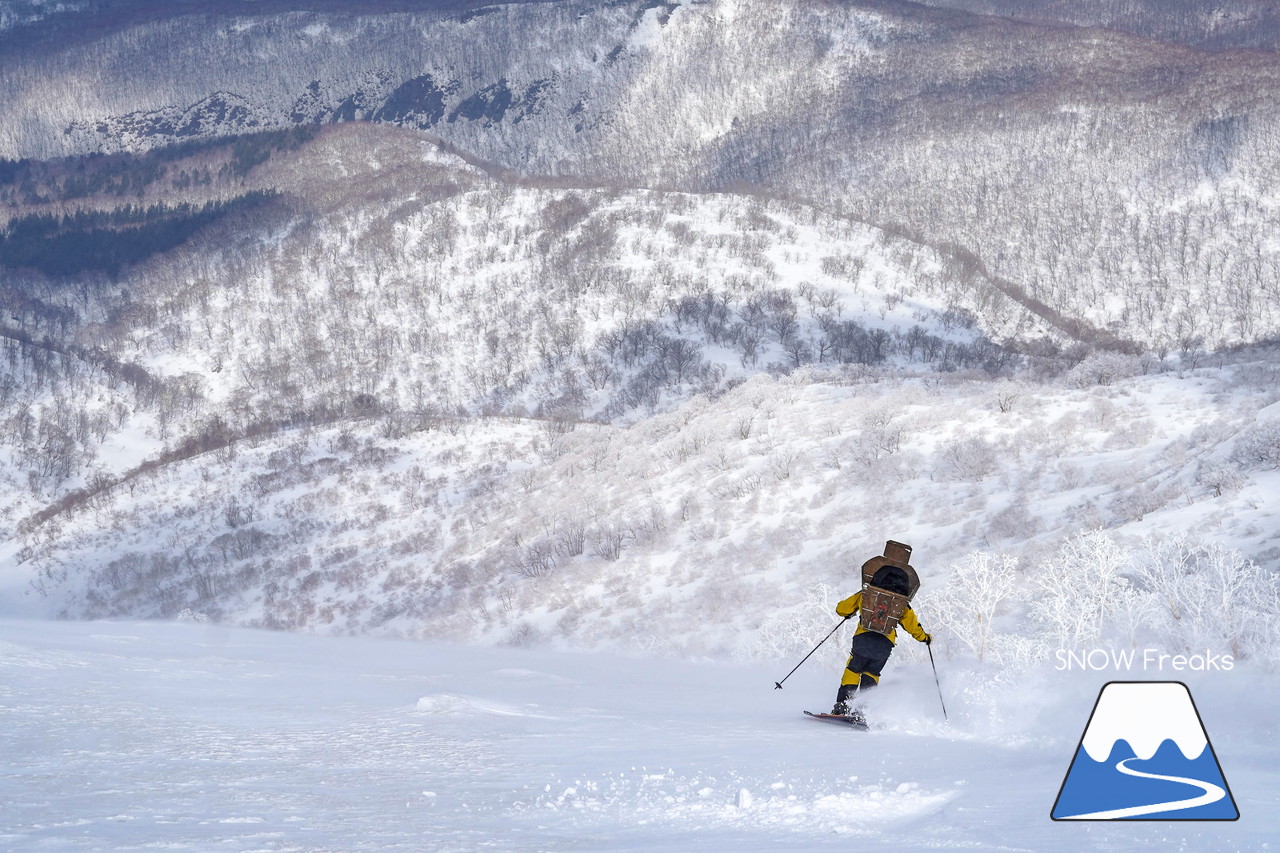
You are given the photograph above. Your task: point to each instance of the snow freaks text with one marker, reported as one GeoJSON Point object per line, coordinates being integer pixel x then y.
{"type": "Point", "coordinates": [1150, 660]}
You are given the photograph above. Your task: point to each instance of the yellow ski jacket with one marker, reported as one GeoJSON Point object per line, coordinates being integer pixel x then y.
{"type": "Point", "coordinates": [851, 605]}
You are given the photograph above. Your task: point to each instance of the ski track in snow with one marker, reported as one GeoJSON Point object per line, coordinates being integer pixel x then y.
{"type": "Point", "coordinates": [194, 737]}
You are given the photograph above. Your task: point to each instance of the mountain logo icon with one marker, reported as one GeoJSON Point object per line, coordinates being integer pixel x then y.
{"type": "Point", "coordinates": [1145, 755]}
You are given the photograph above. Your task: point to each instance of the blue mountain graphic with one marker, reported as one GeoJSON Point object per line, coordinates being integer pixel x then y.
{"type": "Point", "coordinates": [1097, 786]}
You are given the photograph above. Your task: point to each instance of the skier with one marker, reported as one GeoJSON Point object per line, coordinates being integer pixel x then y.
{"type": "Point", "coordinates": [888, 584]}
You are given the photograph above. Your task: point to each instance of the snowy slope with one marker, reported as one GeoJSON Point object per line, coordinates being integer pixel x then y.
{"type": "Point", "coordinates": [714, 528]}
{"type": "Point", "coordinates": [123, 736]}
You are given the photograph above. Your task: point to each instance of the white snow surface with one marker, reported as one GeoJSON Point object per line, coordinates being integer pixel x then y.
{"type": "Point", "coordinates": [191, 736]}
{"type": "Point", "coordinates": [1145, 715]}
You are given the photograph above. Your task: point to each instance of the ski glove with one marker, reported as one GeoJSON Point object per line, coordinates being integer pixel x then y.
{"type": "Point", "coordinates": [928, 639]}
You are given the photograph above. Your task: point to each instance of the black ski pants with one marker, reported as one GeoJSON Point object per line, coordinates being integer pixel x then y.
{"type": "Point", "coordinates": [867, 657]}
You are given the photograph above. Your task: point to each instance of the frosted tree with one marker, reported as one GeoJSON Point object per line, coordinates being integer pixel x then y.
{"type": "Point", "coordinates": [1210, 595]}
{"type": "Point", "coordinates": [1080, 589]}
{"type": "Point", "coordinates": [976, 593]}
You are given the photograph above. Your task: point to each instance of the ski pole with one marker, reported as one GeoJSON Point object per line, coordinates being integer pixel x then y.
{"type": "Point", "coordinates": [777, 685]}
{"type": "Point", "coordinates": [929, 646]}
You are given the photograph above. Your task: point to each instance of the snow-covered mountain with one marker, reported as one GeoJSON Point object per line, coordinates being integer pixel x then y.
{"type": "Point", "coordinates": [630, 330]}
{"type": "Point", "coordinates": [1214, 26]}
{"type": "Point", "coordinates": [406, 391]}
{"type": "Point", "coordinates": [1122, 182]}
{"type": "Point", "coordinates": [495, 337]}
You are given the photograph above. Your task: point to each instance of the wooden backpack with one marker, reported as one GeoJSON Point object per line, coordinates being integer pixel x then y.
{"type": "Point", "coordinates": [888, 585]}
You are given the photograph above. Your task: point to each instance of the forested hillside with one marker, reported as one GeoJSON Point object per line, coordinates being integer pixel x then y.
{"type": "Point", "coordinates": [572, 322]}
{"type": "Point", "coordinates": [1121, 181]}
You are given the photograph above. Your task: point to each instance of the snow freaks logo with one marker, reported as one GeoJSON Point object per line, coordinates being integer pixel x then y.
{"type": "Point", "coordinates": [1148, 659]}
{"type": "Point", "coordinates": [1145, 755]}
